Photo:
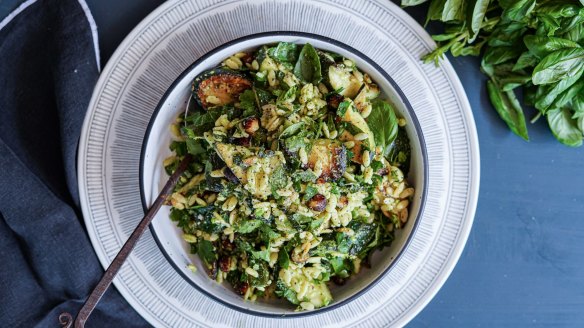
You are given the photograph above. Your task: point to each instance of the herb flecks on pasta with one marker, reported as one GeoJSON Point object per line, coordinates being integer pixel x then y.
{"type": "Point", "coordinates": [299, 172]}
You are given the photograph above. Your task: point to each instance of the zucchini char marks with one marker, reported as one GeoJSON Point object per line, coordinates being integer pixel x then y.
{"type": "Point", "coordinates": [329, 158]}
{"type": "Point", "coordinates": [219, 87]}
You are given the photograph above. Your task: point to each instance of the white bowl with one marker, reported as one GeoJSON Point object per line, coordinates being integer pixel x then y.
{"type": "Point", "coordinates": [169, 237]}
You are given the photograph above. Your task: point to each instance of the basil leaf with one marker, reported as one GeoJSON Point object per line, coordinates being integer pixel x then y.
{"type": "Point", "coordinates": [444, 37]}
{"type": "Point", "coordinates": [263, 97]}
{"type": "Point", "coordinates": [407, 3]}
{"type": "Point", "coordinates": [476, 12]}
{"type": "Point", "coordinates": [559, 65]}
{"type": "Point", "coordinates": [473, 50]}
{"type": "Point", "coordinates": [294, 143]}
{"type": "Point", "coordinates": [541, 46]}
{"type": "Point", "coordinates": [338, 266]}
{"type": "Point", "coordinates": [456, 49]}
{"type": "Point", "coordinates": [575, 24]}
{"type": "Point", "coordinates": [266, 233]}
{"type": "Point", "coordinates": [383, 123]}
{"type": "Point", "coordinates": [564, 128]}
{"type": "Point", "coordinates": [507, 34]}
{"type": "Point", "coordinates": [454, 10]}
{"type": "Point", "coordinates": [575, 34]}
{"type": "Point", "coordinates": [527, 59]}
{"type": "Point", "coordinates": [578, 105]}
{"type": "Point", "coordinates": [571, 94]}
{"type": "Point", "coordinates": [499, 55]}
{"type": "Point", "coordinates": [516, 10]}
{"type": "Point", "coordinates": [545, 100]}
{"type": "Point", "coordinates": [558, 9]}
{"type": "Point", "coordinates": [287, 96]}
{"type": "Point", "coordinates": [435, 10]}
{"type": "Point", "coordinates": [549, 24]}
{"type": "Point", "coordinates": [508, 108]}
{"type": "Point", "coordinates": [511, 82]}
{"type": "Point", "coordinates": [308, 67]}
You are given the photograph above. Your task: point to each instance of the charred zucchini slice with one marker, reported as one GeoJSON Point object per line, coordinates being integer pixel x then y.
{"type": "Point", "coordinates": [232, 155]}
{"type": "Point", "coordinates": [331, 155]}
{"type": "Point", "coordinates": [341, 78]}
{"type": "Point", "coordinates": [219, 87]}
{"type": "Point", "coordinates": [353, 117]}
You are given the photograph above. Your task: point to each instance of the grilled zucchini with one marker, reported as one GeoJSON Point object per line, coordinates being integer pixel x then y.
{"type": "Point", "coordinates": [331, 156]}
{"type": "Point", "coordinates": [219, 87]}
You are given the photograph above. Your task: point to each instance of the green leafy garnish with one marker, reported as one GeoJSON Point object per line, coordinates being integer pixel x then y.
{"type": "Point", "coordinates": [249, 226]}
{"type": "Point", "coordinates": [284, 52]}
{"type": "Point", "coordinates": [383, 123]}
{"type": "Point", "coordinates": [207, 252]}
{"type": "Point", "coordinates": [536, 46]}
{"type": "Point", "coordinates": [308, 65]}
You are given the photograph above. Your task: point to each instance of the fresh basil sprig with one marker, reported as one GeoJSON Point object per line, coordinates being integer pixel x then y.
{"type": "Point", "coordinates": [533, 45]}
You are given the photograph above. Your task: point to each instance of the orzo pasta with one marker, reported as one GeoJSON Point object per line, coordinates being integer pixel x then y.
{"type": "Point", "coordinates": [299, 172]}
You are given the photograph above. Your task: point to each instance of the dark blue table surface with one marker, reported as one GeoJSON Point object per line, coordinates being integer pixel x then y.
{"type": "Point", "coordinates": [524, 260]}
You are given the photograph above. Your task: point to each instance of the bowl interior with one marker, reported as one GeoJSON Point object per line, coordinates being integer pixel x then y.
{"type": "Point", "coordinates": [153, 177]}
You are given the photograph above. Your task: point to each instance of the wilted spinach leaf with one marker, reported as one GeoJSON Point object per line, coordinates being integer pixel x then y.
{"type": "Point", "coordinates": [278, 179]}
{"type": "Point", "coordinates": [382, 123]}
{"type": "Point", "coordinates": [284, 52]}
{"type": "Point", "coordinates": [207, 252]}
{"type": "Point", "coordinates": [248, 226]}
{"type": "Point", "coordinates": [399, 151]}
{"type": "Point", "coordinates": [308, 65]}
{"type": "Point", "coordinates": [283, 258]}
{"type": "Point", "coordinates": [283, 291]}
{"type": "Point", "coordinates": [248, 102]}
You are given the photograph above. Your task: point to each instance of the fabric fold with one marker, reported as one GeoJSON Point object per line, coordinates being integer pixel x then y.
{"type": "Point", "coordinates": [47, 74]}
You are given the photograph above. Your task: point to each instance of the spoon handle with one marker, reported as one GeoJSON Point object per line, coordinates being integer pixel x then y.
{"type": "Point", "coordinates": [65, 318]}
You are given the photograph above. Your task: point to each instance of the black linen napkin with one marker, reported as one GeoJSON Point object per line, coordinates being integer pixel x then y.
{"type": "Point", "coordinates": [48, 68]}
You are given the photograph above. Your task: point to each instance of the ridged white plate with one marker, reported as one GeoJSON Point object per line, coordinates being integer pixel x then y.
{"type": "Point", "coordinates": [178, 33]}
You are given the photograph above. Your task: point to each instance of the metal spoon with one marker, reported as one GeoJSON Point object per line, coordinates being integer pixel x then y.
{"type": "Point", "coordinates": [65, 318]}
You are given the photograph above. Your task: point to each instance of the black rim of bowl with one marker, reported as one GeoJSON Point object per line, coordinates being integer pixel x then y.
{"type": "Point", "coordinates": [415, 121]}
